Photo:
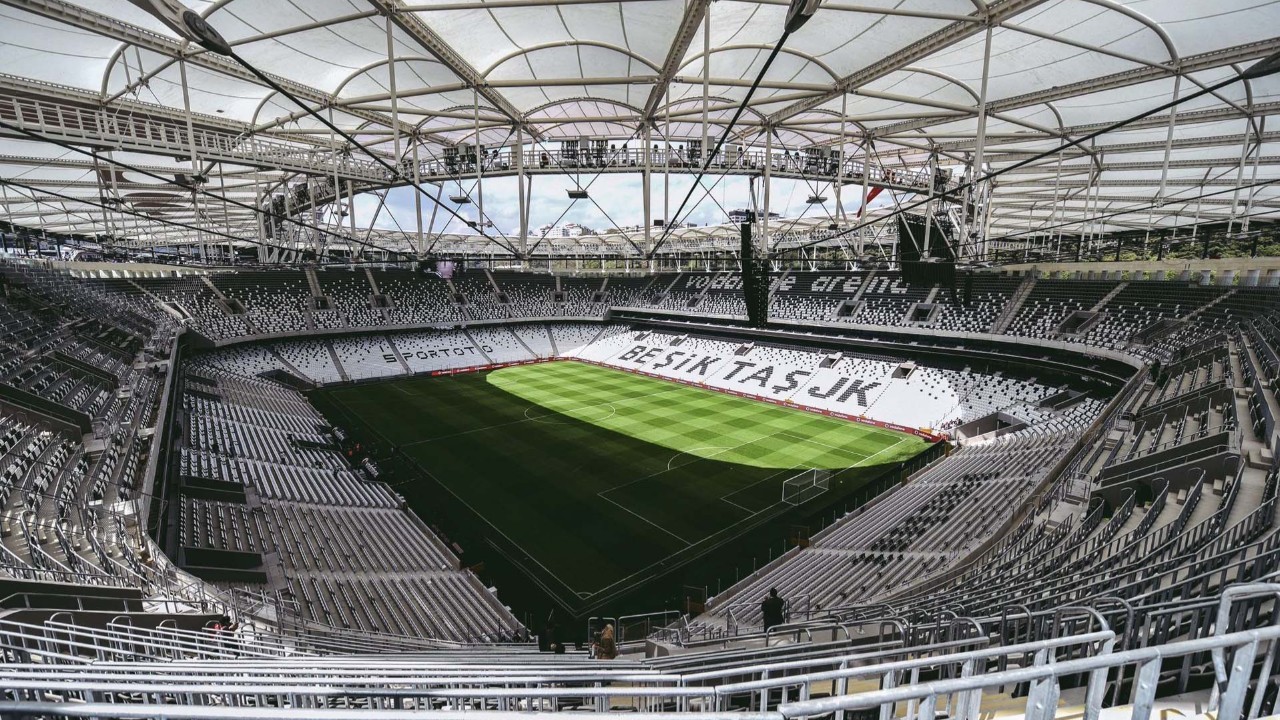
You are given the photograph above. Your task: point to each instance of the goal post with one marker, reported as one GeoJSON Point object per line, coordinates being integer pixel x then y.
{"type": "Point", "coordinates": [805, 486]}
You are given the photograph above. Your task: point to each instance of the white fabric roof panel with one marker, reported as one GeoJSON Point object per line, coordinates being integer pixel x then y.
{"type": "Point", "coordinates": [49, 51]}
{"type": "Point", "coordinates": [575, 68]}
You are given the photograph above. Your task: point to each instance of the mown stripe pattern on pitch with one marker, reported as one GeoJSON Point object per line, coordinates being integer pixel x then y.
{"type": "Point", "coordinates": [701, 422]}
{"type": "Point", "coordinates": [594, 473]}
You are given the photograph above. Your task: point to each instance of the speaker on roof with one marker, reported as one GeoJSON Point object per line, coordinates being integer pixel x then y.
{"type": "Point", "coordinates": [755, 281]}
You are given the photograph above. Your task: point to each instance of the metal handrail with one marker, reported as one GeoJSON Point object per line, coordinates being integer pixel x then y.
{"type": "Point", "coordinates": [1044, 680]}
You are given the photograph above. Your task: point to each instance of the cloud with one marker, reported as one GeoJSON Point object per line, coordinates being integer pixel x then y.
{"type": "Point", "coordinates": [615, 200]}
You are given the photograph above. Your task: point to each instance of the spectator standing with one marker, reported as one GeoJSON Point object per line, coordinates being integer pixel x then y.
{"type": "Point", "coordinates": [772, 608]}
{"type": "Point", "coordinates": [607, 646]}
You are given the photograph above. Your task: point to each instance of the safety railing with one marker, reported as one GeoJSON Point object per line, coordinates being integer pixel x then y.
{"type": "Point", "coordinates": [962, 696]}
{"type": "Point", "coordinates": [951, 677]}
{"type": "Point", "coordinates": [466, 164]}
{"type": "Point", "coordinates": [108, 691]}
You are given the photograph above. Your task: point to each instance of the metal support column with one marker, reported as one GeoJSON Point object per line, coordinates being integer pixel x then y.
{"type": "Point", "coordinates": [195, 159]}
{"type": "Point", "coordinates": [1164, 165]}
{"type": "Point", "coordinates": [706, 81]}
{"type": "Point", "coordinates": [337, 190]}
{"type": "Point", "coordinates": [932, 168]}
{"type": "Point", "coordinates": [666, 167]}
{"type": "Point", "coordinates": [648, 191]}
{"type": "Point", "coordinates": [351, 217]}
{"type": "Point", "coordinates": [1061, 212]}
{"type": "Point", "coordinates": [395, 100]}
{"type": "Point", "coordinates": [226, 218]}
{"type": "Point", "coordinates": [262, 228]}
{"type": "Point", "coordinates": [1244, 154]}
{"type": "Point", "coordinates": [844, 106]}
{"type": "Point", "coordinates": [316, 235]}
{"type": "Point", "coordinates": [860, 244]}
{"type": "Point", "coordinates": [417, 196]}
{"type": "Point", "coordinates": [479, 153]}
{"type": "Point", "coordinates": [102, 193]}
{"type": "Point", "coordinates": [768, 174]}
{"type": "Point", "coordinates": [980, 141]}
{"type": "Point", "coordinates": [1257, 153]}
{"type": "Point", "coordinates": [521, 199]}
{"type": "Point", "coordinates": [1056, 211]}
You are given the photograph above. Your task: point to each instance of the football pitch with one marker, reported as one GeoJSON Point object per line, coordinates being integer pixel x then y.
{"type": "Point", "coordinates": [595, 474]}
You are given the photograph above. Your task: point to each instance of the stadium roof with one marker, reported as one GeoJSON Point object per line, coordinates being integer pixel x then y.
{"type": "Point", "coordinates": [885, 82]}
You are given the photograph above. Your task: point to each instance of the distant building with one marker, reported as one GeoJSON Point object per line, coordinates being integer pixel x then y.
{"type": "Point", "coordinates": [741, 215]}
{"type": "Point", "coordinates": [566, 230]}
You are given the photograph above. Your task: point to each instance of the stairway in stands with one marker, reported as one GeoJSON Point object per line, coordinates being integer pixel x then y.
{"type": "Point", "coordinates": [1107, 298]}
{"type": "Point", "coordinates": [1015, 304]}
{"type": "Point", "coordinates": [313, 282]}
{"type": "Point", "coordinates": [1198, 311]}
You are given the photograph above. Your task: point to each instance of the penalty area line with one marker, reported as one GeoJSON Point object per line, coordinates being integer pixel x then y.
{"type": "Point", "coordinates": [863, 461]}
{"type": "Point", "coordinates": [790, 434]}
{"type": "Point", "coordinates": [726, 496]}
{"type": "Point", "coordinates": [636, 514]}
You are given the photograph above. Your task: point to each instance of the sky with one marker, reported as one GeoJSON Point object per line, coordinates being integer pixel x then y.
{"type": "Point", "coordinates": [617, 202]}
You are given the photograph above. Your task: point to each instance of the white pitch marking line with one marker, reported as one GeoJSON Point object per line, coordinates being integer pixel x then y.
{"type": "Point", "coordinates": [801, 438]}
{"type": "Point", "coordinates": [624, 507]}
{"type": "Point", "coordinates": [691, 451]}
{"type": "Point", "coordinates": [863, 461]}
{"type": "Point", "coordinates": [725, 497]}
{"type": "Point", "coordinates": [613, 410]}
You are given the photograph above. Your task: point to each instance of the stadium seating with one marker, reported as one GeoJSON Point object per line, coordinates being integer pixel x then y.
{"type": "Point", "coordinates": [865, 386]}
{"type": "Point", "coordinates": [529, 295]}
{"type": "Point", "coordinates": [415, 298]}
{"type": "Point", "coordinates": [918, 528]}
{"type": "Point", "coordinates": [1102, 313]}
{"type": "Point", "coordinates": [363, 357]}
{"type": "Point", "coordinates": [633, 291]}
{"type": "Point", "coordinates": [813, 295]}
{"type": "Point", "coordinates": [570, 338]}
{"type": "Point", "coordinates": [1052, 301]}
{"type": "Point", "coordinates": [682, 293]}
{"type": "Point", "coordinates": [311, 358]}
{"type": "Point", "coordinates": [273, 301]}
{"type": "Point", "coordinates": [351, 294]}
{"type": "Point", "coordinates": [536, 338]}
{"type": "Point", "coordinates": [987, 296]}
{"type": "Point", "coordinates": [499, 345]}
{"type": "Point", "coordinates": [723, 296]}
{"type": "Point", "coordinates": [583, 296]}
{"type": "Point", "coordinates": [886, 300]}
{"type": "Point", "coordinates": [480, 297]}
{"type": "Point", "coordinates": [1093, 523]}
{"type": "Point", "coordinates": [305, 506]}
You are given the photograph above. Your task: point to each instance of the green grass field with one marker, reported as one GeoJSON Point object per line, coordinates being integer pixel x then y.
{"type": "Point", "coordinates": [595, 473]}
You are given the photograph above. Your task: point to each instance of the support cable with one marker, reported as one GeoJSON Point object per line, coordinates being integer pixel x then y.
{"type": "Point", "coordinates": [737, 114]}
{"type": "Point", "coordinates": [395, 172]}
{"type": "Point", "coordinates": [1262, 68]}
{"type": "Point", "coordinates": [38, 137]}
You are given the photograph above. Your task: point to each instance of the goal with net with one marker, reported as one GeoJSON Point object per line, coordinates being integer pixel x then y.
{"type": "Point", "coordinates": [805, 486]}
